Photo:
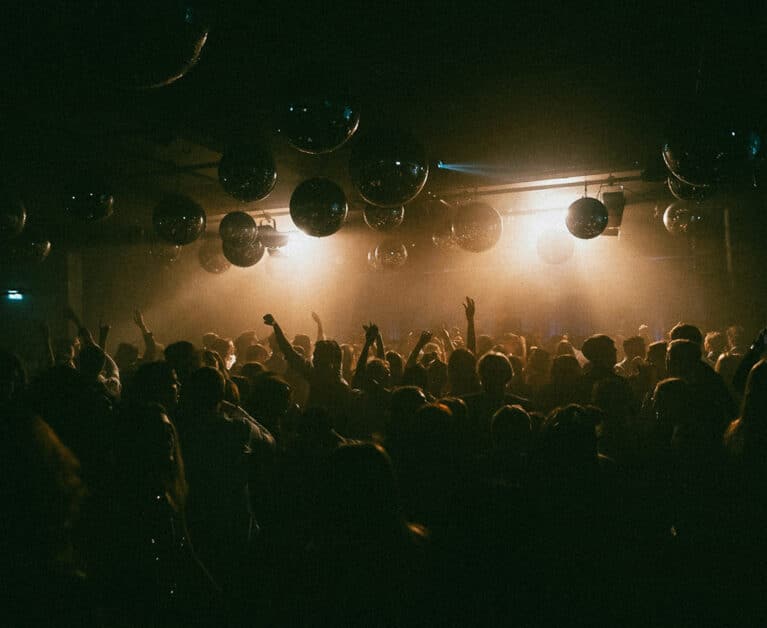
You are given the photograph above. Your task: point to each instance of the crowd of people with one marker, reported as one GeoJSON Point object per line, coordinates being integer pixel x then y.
{"type": "Point", "coordinates": [449, 479]}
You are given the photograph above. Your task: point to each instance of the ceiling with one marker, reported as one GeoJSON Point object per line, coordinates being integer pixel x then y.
{"type": "Point", "coordinates": [527, 91]}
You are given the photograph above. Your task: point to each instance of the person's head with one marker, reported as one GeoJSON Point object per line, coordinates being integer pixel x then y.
{"type": "Point", "coordinates": [183, 358]}
{"type": "Point", "coordinates": [91, 362]}
{"type": "Point", "coordinates": [155, 382]}
{"type": "Point", "coordinates": [242, 342]}
{"type": "Point", "coordinates": [513, 344]}
{"type": "Point", "coordinates": [538, 361]}
{"type": "Point", "coordinates": [359, 497]}
{"type": "Point", "coordinates": [673, 403]}
{"type": "Point", "coordinates": [225, 348]}
{"type": "Point", "coordinates": [436, 376]}
{"type": "Point", "coordinates": [13, 377]}
{"type": "Point", "coordinates": [511, 429]}
{"type": "Point", "coordinates": [255, 353]}
{"type": "Point", "coordinates": [251, 370]}
{"type": "Point", "coordinates": [484, 344]}
{"type": "Point", "coordinates": [396, 366]}
{"type": "Point", "coordinates": [600, 351]}
{"type": "Point", "coordinates": [65, 350]}
{"type": "Point", "coordinates": [204, 390]}
{"type": "Point", "coordinates": [461, 367]}
{"type": "Point", "coordinates": [209, 339]}
{"type": "Point", "coordinates": [567, 443]}
{"type": "Point", "coordinates": [270, 398]}
{"type": "Point", "coordinates": [682, 358]}
{"type": "Point", "coordinates": [565, 370]}
{"type": "Point", "coordinates": [656, 356]}
{"type": "Point", "coordinates": [303, 341]}
{"type": "Point", "coordinates": [378, 370]}
{"type": "Point", "coordinates": [41, 492]}
{"type": "Point", "coordinates": [634, 347]}
{"type": "Point", "coordinates": [686, 331]}
{"type": "Point", "coordinates": [494, 371]}
{"type": "Point", "coordinates": [714, 343]}
{"type": "Point", "coordinates": [735, 335]}
{"type": "Point", "coordinates": [148, 460]}
{"type": "Point", "coordinates": [754, 408]}
{"type": "Point", "coordinates": [327, 356]}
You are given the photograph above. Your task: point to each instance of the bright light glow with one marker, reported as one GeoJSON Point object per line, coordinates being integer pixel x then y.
{"type": "Point", "coordinates": [537, 223]}
{"type": "Point", "coordinates": [14, 295]}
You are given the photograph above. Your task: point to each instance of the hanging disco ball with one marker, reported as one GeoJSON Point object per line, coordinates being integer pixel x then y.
{"type": "Point", "coordinates": [247, 172]}
{"type": "Point", "coordinates": [388, 168]}
{"type": "Point", "coordinates": [164, 252]}
{"type": "Point", "coordinates": [391, 254]}
{"type": "Point", "coordinates": [586, 218]}
{"type": "Point", "coordinates": [477, 227]}
{"type": "Point", "coordinates": [555, 246]}
{"type": "Point", "coordinates": [318, 207]}
{"type": "Point", "coordinates": [373, 262]}
{"type": "Point", "coordinates": [211, 257]}
{"type": "Point", "coordinates": [141, 44]}
{"type": "Point", "coordinates": [685, 192]}
{"type": "Point", "coordinates": [383, 218]}
{"type": "Point", "coordinates": [28, 249]}
{"type": "Point", "coordinates": [244, 256]}
{"type": "Point", "coordinates": [13, 217]}
{"type": "Point", "coordinates": [318, 125]}
{"type": "Point", "coordinates": [707, 151]}
{"type": "Point", "coordinates": [89, 205]}
{"type": "Point", "coordinates": [178, 219]}
{"type": "Point", "coordinates": [683, 218]}
{"type": "Point", "coordinates": [238, 228]}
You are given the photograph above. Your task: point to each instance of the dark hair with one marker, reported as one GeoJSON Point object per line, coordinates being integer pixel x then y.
{"type": "Point", "coordinates": [91, 361]}
{"type": "Point", "coordinates": [494, 367]}
{"type": "Point", "coordinates": [205, 388]}
{"type": "Point", "coordinates": [598, 348]}
{"type": "Point", "coordinates": [682, 356]}
{"type": "Point", "coordinates": [686, 331]}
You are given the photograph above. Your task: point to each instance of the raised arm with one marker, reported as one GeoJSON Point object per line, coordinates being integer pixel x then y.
{"type": "Point", "coordinates": [371, 333]}
{"type": "Point", "coordinates": [471, 337]}
{"type": "Point", "coordinates": [380, 350]}
{"type": "Point", "coordinates": [45, 333]}
{"type": "Point", "coordinates": [413, 357]}
{"type": "Point", "coordinates": [104, 329]}
{"type": "Point", "coordinates": [320, 331]}
{"type": "Point", "coordinates": [82, 331]}
{"type": "Point", "coordinates": [150, 347]}
{"type": "Point", "coordinates": [295, 361]}
{"type": "Point", "coordinates": [449, 346]}
{"type": "Point", "coordinates": [749, 360]}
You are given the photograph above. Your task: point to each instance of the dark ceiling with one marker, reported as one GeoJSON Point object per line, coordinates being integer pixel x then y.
{"type": "Point", "coordinates": [529, 88]}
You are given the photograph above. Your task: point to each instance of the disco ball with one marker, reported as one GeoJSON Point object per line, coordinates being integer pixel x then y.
{"type": "Point", "coordinates": [685, 192]}
{"type": "Point", "coordinates": [318, 125]}
{"type": "Point", "coordinates": [244, 256]}
{"type": "Point", "coordinates": [391, 254]}
{"type": "Point", "coordinates": [164, 252]}
{"type": "Point", "coordinates": [318, 207]}
{"type": "Point", "coordinates": [211, 257]}
{"type": "Point", "coordinates": [13, 217]}
{"type": "Point", "coordinates": [178, 219]}
{"type": "Point", "coordinates": [272, 239]}
{"type": "Point", "coordinates": [373, 261]}
{"type": "Point", "coordinates": [89, 205]}
{"type": "Point", "coordinates": [705, 153]}
{"type": "Point", "coordinates": [555, 246]}
{"type": "Point", "coordinates": [383, 218]}
{"type": "Point", "coordinates": [586, 218]}
{"type": "Point", "coordinates": [477, 227]}
{"type": "Point", "coordinates": [388, 168]}
{"type": "Point", "coordinates": [683, 218]}
{"type": "Point", "coordinates": [247, 172]}
{"type": "Point", "coordinates": [28, 249]}
{"type": "Point", "coordinates": [141, 44]}
{"type": "Point", "coordinates": [238, 228]}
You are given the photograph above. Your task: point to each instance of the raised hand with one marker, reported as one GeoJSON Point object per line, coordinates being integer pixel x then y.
{"type": "Point", "coordinates": [138, 319]}
{"type": "Point", "coordinates": [269, 320]}
{"type": "Point", "coordinates": [371, 332]}
{"type": "Point", "coordinates": [469, 308]}
{"type": "Point", "coordinates": [104, 328]}
{"type": "Point", "coordinates": [426, 336]}
{"type": "Point", "coordinates": [316, 317]}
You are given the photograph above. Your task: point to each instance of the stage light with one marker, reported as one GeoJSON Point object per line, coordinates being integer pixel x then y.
{"type": "Point", "coordinates": [14, 295]}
